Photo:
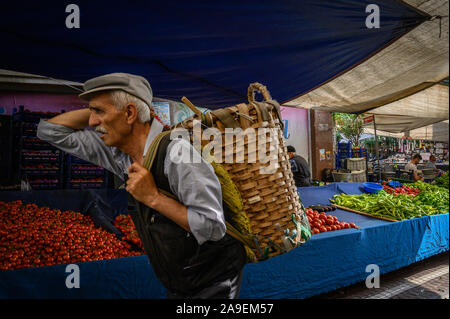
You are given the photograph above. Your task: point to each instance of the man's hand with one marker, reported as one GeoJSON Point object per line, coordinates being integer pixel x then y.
{"type": "Point", "coordinates": [141, 185]}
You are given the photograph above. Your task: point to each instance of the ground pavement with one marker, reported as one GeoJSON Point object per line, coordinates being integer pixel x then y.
{"type": "Point", "coordinates": [427, 279]}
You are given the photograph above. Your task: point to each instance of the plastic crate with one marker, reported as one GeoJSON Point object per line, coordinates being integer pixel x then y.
{"type": "Point", "coordinates": [41, 183]}
{"type": "Point", "coordinates": [359, 152]}
{"type": "Point", "coordinates": [41, 156]}
{"type": "Point", "coordinates": [87, 184]}
{"type": "Point", "coordinates": [31, 117]}
{"type": "Point", "coordinates": [79, 169]}
{"type": "Point", "coordinates": [345, 146]}
{"type": "Point", "coordinates": [75, 160]}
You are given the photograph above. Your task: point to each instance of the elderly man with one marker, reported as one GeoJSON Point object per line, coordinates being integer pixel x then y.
{"type": "Point", "coordinates": [185, 237]}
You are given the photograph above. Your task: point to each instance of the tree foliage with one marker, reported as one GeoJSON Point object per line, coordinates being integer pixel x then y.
{"type": "Point", "coordinates": [350, 126]}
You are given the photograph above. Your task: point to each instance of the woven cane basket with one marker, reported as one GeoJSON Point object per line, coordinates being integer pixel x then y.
{"type": "Point", "coordinates": [270, 206]}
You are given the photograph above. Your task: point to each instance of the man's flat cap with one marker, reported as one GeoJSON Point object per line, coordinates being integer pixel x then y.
{"type": "Point", "coordinates": [133, 84]}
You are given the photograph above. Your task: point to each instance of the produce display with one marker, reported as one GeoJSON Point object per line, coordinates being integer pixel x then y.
{"type": "Point", "coordinates": [423, 200]}
{"type": "Point", "coordinates": [322, 208]}
{"type": "Point", "coordinates": [321, 222]}
{"type": "Point", "coordinates": [32, 236]}
{"type": "Point", "coordinates": [402, 190]}
{"type": "Point", "coordinates": [442, 181]}
{"type": "Point", "coordinates": [125, 224]}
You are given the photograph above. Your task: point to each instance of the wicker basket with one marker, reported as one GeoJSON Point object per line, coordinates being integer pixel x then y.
{"type": "Point", "coordinates": [359, 176]}
{"type": "Point", "coordinates": [356, 164]}
{"type": "Point", "coordinates": [340, 176]}
{"type": "Point", "coordinates": [270, 201]}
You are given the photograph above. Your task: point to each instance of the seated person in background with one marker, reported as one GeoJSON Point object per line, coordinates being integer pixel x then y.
{"type": "Point", "coordinates": [412, 167]}
{"type": "Point", "coordinates": [299, 167]}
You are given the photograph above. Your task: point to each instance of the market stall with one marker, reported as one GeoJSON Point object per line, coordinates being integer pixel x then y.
{"type": "Point", "coordinates": [342, 255]}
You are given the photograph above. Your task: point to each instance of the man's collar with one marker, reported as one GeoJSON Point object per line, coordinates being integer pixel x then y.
{"type": "Point", "coordinates": [155, 129]}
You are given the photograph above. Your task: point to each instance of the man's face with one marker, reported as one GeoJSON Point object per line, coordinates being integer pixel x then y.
{"type": "Point", "coordinates": [108, 120]}
{"type": "Point", "coordinates": [290, 155]}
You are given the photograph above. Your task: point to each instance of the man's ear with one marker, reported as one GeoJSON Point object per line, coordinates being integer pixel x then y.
{"type": "Point", "coordinates": [131, 113]}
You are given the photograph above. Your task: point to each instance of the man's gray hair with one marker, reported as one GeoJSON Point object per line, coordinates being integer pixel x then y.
{"type": "Point", "coordinates": [121, 98]}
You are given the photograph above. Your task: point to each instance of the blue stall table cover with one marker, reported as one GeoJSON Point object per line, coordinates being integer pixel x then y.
{"type": "Point", "coordinates": [325, 263]}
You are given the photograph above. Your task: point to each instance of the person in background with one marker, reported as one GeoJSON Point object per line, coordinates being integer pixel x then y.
{"type": "Point", "coordinates": [432, 165]}
{"type": "Point", "coordinates": [412, 167]}
{"type": "Point", "coordinates": [300, 168]}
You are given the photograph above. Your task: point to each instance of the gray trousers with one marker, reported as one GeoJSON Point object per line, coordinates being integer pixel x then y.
{"type": "Point", "coordinates": [227, 289]}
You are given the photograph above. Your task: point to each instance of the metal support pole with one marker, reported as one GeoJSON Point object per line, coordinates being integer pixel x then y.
{"type": "Point", "coordinates": [309, 142]}
{"type": "Point", "coordinates": [376, 148]}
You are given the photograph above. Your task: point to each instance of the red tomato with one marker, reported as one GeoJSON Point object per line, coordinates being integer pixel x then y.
{"type": "Point", "coordinates": [328, 228]}
{"type": "Point", "coordinates": [352, 225]}
{"type": "Point", "coordinates": [333, 227]}
{"type": "Point", "coordinates": [323, 229]}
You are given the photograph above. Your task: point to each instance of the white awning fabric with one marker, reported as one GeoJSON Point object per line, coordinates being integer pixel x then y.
{"type": "Point", "coordinates": [424, 108]}
{"type": "Point", "coordinates": [399, 124]}
{"type": "Point", "coordinates": [413, 63]}
{"type": "Point", "coordinates": [432, 102]}
{"type": "Point", "coordinates": [436, 132]}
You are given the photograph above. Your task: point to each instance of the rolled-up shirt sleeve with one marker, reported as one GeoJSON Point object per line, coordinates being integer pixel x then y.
{"type": "Point", "coordinates": [198, 188]}
{"type": "Point", "coordinates": [85, 144]}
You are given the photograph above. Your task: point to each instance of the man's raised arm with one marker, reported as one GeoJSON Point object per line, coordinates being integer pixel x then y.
{"type": "Point", "coordinates": [77, 120]}
{"type": "Point", "coordinates": [67, 132]}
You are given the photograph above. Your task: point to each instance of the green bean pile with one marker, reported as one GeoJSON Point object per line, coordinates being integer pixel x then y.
{"type": "Point", "coordinates": [432, 201]}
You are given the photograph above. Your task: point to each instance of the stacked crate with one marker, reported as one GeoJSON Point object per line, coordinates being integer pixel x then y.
{"type": "Point", "coordinates": [344, 152]}
{"type": "Point", "coordinates": [84, 175]}
{"type": "Point", "coordinates": [40, 164]}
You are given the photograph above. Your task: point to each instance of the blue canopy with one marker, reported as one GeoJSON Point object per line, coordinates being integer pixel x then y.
{"type": "Point", "coordinates": [209, 51]}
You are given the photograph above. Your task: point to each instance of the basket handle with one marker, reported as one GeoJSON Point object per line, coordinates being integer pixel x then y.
{"type": "Point", "coordinates": [191, 106]}
{"type": "Point", "coordinates": [260, 88]}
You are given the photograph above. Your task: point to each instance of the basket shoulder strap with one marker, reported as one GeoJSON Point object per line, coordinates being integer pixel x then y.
{"type": "Point", "coordinates": [152, 150]}
{"type": "Point", "coordinates": [225, 117]}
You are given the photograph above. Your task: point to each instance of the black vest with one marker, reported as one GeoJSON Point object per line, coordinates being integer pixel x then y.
{"type": "Point", "coordinates": [183, 266]}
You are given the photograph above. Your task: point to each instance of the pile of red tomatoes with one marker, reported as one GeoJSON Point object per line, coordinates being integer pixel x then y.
{"type": "Point", "coordinates": [411, 191]}
{"type": "Point", "coordinates": [125, 224]}
{"type": "Point", "coordinates": [32, 236]}
{"type": "Point", "coordinates": [321, 222]}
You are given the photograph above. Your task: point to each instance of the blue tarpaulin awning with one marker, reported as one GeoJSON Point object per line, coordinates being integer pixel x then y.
{"type": "Point", "coordinates": [205, 50]}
